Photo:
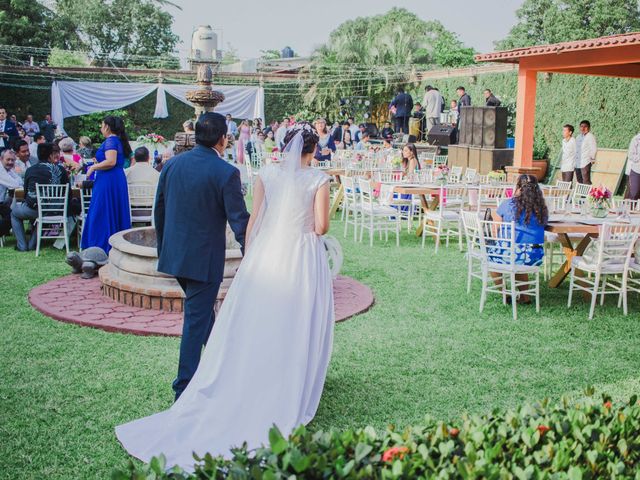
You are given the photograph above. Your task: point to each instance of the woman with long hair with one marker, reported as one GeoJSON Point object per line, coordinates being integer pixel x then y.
{"type": "Point", "coordinates": [109, 209]}
{"type": "Point", "coordinates": [326, 144]}
{"type": "Point", "coordinates": [347, 142]}
{"type": "Point", "coordinates": [528, 210]}
{"type": "Point", "coordinates": [410, 162]}
{"type": "Point", "coordinates": [243, 139]}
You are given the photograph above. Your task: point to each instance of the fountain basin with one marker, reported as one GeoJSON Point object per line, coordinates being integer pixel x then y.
{"type": "Point", "coordinates": [131, 276]}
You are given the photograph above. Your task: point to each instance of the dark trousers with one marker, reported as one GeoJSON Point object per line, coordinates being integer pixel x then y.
{"type": "Point", "coordinates": [198, 322]}
{"type": "Point", "coordinates": [402, 124]}
{"type": "Point", "coordinates": [586, 174]}
{"type": "Point", "coordinates": [633, 192]}
{"type": "Point", "coordinates": [578, 172]}
{"type": "Point", "coordinates": [567, 176]}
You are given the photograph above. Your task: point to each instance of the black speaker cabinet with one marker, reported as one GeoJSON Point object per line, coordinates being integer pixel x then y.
{"type": "Point", "coordinates": [465, 125]}
{"type": "Point", "coordinates": [494, 127]}
{"type": "Point", "coordinates": [494, 159]}
{"type": "Point", "coordinates": [442, 134]}
{"type": "Point", "coordinates": [478, 119]}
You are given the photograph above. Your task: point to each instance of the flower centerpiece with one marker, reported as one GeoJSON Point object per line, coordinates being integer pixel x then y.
{"type": "Point", "coordinates": [152, 140]}
{"type": "Point", "coordinates": [599, 201]}
{"type": "Point", "coordinates": [396, 161]}
{"type": "Point", "coordinates": [496, 176]}
{"type": "Point", "coordinates": [441, 174]}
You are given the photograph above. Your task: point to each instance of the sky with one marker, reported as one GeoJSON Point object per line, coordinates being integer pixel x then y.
{"type": "Point", "coordinates": [254, 25]}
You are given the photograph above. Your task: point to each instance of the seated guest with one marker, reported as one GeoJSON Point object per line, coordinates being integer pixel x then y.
{"type": "Point", "coordinates": [410, 162]}
{"type": "Point", "coordinates": [326, 145]}
{"type": "Point", "coordinates": [387, 130]}
{"type": "Point", "coordinates": [23, 157]}
{"type": "Point", "coordinates": [68, 156]}
{"type": "Point", "coordinates": [38, 138]}
{"type": "Point", "coordinates": [46, 172]}
{"type": "Point", "coordinates": [347, 143]}
{"type": "Point", "coordinates": [189, 127]}
{"type": "Point", "coordinates": [363, 144]}
{"type": "Point", "coordinates": [9, 180]}
{"type": "Point", "coordinates": [142, 173]}
{"type": "Point", "coordinates": [528, 210]}
{"type": "Point", "coordinates": [361, 129]}
{"type": "Point", "coordinates": [269, 142]}
{"type": "Point", "coordinates": [85, 150]}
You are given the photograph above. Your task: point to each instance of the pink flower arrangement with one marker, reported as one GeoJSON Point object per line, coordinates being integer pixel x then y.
{"type": "Point", "coordinates": [152, 138]}
{"type": "Point", "coordinates": [599, 193]}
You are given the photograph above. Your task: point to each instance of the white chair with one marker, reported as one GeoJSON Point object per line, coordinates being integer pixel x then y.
{"type": "Point", "coordinates": [612, 254]}
{"type": "Point", "coordinates": [455, 175]}
{"type": "Point", "coordinates": [141, 200]}
{"type": "Point", "coordinates": [580, 193]}
{"type": "Point", "coordinates": [251, 176]}
{"type": "Point", "coordinates": [560, 185]}
{"type": "Point", "coordinates": [489, 196]}
{"type": "Point", "coordinates": [498, 249]}
{"type": "Point", "coordinates": [471, 224]}
{"type": "Point", "coordinates": [375, 217]}
{"type": "Point", "coordinates": [470, 175]}
{"type": "Point", "coordinates": [446, 219]}
{"type": "Point", "coordinates": [85, 202]}
{"type": "Point", "coordinates": [52, 213]}
{"type": "Point", "coordinates": [351, 205]}
{"type": "Point", "coordinates": [626, 205]}
{"type": "Point", "coordinates": [439, 160]}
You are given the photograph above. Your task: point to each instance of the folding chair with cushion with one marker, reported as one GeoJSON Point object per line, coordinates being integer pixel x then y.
{"type": "Point", "coordinates": [471, 224]}
{"type": "Point", "coordinates": [608, 256]}
{"type": "Point", "coordinates": [376, 217]}
{"type": "Point", "coordinates": [52, 213]}
{"type": "Point", "coordinates": [141, 200]}
{"type": "Point", "coordinates": [499, 252]}
{"type": "Point", "coordinates": [446, 219]}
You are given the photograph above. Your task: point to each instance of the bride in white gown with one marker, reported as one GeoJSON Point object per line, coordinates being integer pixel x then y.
{"type": "Point", "coordinates": [266, 360]}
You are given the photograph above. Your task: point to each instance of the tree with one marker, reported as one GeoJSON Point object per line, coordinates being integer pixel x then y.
{"type": "Point", "coordinates": [121, 29]}
{"type": "Point", "coordinates": [269, 54]}
{"type": "Point", "coordinates": [372, 56]}
{"type": "Point", "coordinates": [230, 55]}
{"type": "Point", "coordinates": [552, 21]}
{"type": "Point", "coordinates": [66, 58]}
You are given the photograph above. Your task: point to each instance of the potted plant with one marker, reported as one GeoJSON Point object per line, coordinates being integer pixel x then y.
{"type": "Point", "coordinates": [540, 157]}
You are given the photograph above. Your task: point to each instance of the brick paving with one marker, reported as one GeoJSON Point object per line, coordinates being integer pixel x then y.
{"type": "Point", "coordinates": [84, 304]}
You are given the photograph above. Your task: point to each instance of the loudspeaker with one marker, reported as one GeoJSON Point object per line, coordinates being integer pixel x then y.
{"type": "Point", "coordinates": [442, 135]}
{"type": "Point", "coordinates": [478, 119]}
{"type": "Point", "coordinates": [494, 127]}
{"type": "Point", "coordinates": [494, 159]}
{"type": "Point", "coordinates": [465, 125]}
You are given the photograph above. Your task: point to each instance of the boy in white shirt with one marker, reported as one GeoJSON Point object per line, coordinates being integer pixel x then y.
{"type": "Point", "coordinates": [568, 163]}
{"type": "Point", "coordinates": [586, 153]}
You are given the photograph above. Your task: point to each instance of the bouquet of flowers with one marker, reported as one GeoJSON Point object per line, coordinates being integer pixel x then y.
{"type": "Point", "coordinates": [152, 139]}
{"type": "Point", "coordinates": [441, 174]}
{"type": "Point", "coordinates": [599, 200]}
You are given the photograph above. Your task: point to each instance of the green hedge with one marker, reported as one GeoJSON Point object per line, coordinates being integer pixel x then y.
{"type": "Point", "coordinates": [581, 441]}
{"type": "Point", "coordinates": [608, 103]}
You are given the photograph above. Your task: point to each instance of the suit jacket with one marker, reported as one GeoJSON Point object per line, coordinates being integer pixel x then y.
{"type": "Point", "coordinates": [11, 130]}
{"type": "Point", "coordinates": [198, 193]}
{"type": "Point", "coordinates": [403, 103]}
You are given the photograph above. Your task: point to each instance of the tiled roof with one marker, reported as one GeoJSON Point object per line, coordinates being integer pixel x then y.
{"type": "Point", "coordinates": [513, 56]}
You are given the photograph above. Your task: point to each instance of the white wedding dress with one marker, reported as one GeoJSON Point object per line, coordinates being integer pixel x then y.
{"type": "Point", "coordinates": [266, 360]}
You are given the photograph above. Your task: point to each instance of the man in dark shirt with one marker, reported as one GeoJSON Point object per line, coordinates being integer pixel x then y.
{"type": "Point", "coordinates": [419, 113]}
{"type": "Point", "coordinates": [48, 128]}
{"type": "Point", "coordinates": [490, 99]}
{"type": "Point", "coordinates": [46, 172]}
{"type": "Point", "coordinates": [402, 104]}
{"type": "Point", "coordinates": [387, 131]}
{"type": "Point", "coordinates": [338, 135]}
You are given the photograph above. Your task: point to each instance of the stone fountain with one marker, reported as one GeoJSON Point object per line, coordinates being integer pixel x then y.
{"type": "Point", "coordinates": [131, 277]}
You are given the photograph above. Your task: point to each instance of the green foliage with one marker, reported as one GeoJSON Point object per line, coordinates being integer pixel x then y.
{"type": "Point", "coordinates": [551, 21]}
{"type": "Point", "coordinates": [89, 125]}
{"type": "Point", "coordinates": [121, 28]}
{"type": "Point", "coordinates": [30, 24]}
{"type": "Point", "coordinates": [230, 55]}
{"type": "Point", "coordinates": [589, 440]}
{"type": "Point", "coordinates": [372, 56]}
{"type": "Point", "coordinates": [66, 58]}
{"type": "Point", "coordinates": [269, 54]}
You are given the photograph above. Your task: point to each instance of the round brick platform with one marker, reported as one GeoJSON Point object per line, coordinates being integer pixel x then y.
{"type": "Point", "coordinates": [74, 300]}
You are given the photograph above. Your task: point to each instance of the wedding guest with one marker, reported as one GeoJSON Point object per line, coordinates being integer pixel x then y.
{"type": "Point", "coordinates": [401, 106]}
{"type": "Point", "coordinates": [23, 161]}
{"type": "Point", "coordinates": [568, 162]}
{"type": "Point", "coordinates": [338, 135]}
{"type": "Point", "coordinates": [353, 127]}
{"type": "Point", "coordinates": [363, 144]}
{"type": "Point", "coordinates": [109, 208]}
{"type": "Point", "coordinates": [46, 172]}
{"type": "Point", "coordinates": [8, 129]}
{"type": "Point", "coordinates": [71, 160]}
{"type": "Point", "coordinates": [528, 210]}
{"type": "Point", "coordinates": [86, 148]}
{"type": "Point", "coordinates": [419, 113]}
{"type": "Point", "coordinates": [9, 180]}
{"type": "Point", "coordinates": [188, 126]}
{"type": "Point", "coordinates": [48, 128]}
{"type": "Point", "coordinates": [281, 133]}
{"type": "Point", "coordinates": [387, 131]}
{"type": "Point", "coordinates": [38, 138]}
{"type": "Point", "coordinates": [232, 127]}
{"type": "Point", "coordinates": [464, 100]}
{"type": "Point", "coordinates": [347, 143]}
{"type": "Point", "coordinates": [325, 145]}
{"type": "Point", "coordinates": [410, 162]}
{"type": "Point", "coordinates": [586, 149]}
{"type": "Point", "coordinates": [269, 142]}
{"type": "Point", "coordinates": [490, 99]}
{"type": "Point", "coordinates": [361, 129]}
{"type": "Point", "coordinates": [633, 168]}
{"type": "Point", "coordinates": [243, 139]}
{"type": "Point", "coordinates": [433, 107]}
{"type": "Point", "coordinates": [453, 113]}
{"type": "Point", "coordinates": [142, 172]}
{"type": "Point", "coordinates": [30, 127]}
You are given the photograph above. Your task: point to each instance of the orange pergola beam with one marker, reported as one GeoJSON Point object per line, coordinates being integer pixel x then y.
{"type": "Point", "coordinates": [525, 117]}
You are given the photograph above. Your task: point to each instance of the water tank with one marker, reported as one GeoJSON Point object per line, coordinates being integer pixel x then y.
{"type": "Point", "coordinates": [204, 43]}
{"type": "Point", "coordinates": [287, 52]}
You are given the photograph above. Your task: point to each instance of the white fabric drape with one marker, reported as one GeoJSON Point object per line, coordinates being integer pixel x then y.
{"type": "Point", "coordinates": [69, 99]}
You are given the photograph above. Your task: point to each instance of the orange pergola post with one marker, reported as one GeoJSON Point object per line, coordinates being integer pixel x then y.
{"type": "Point", "coordinates": [525, 117]}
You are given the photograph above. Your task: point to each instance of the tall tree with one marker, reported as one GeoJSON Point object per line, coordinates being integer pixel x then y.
{"type": "Point", "coordinates": [372, 56]}
{"type": "Point", "coordinates": [552, 21]}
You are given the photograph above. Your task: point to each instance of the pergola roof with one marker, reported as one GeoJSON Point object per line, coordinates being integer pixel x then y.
{"type": "Point", "coordinates": [616, 56]}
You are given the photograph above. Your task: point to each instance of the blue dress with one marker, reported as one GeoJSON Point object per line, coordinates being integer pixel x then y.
{"type": "Point", "coordinates": [109, 210]}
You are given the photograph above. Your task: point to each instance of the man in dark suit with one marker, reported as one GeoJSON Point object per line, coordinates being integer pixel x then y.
{"type": "Point", "coordinates": [402, 104]}
{"type": "Point", "coordinates": [8, 129]}
{"type": "Point", "coordinates": [198, 193]}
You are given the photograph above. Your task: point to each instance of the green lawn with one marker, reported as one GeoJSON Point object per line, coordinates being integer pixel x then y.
{"type": "Point", "coordinates": [422, 349]}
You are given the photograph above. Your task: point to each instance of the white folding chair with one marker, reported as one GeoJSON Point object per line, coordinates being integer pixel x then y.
{"type": "Point", "coordinates": [351, 209]}
{"type": "Point", "coordinates": [580, 193]}
{"type": "Point", "coordinates": [85, 202]}
{"type": "Point", "coordinates": [498, 249]}
{"type": "Point", "coordinates": [439, 160]}
{"type": "Point", "coordinates": [376, 217]}
{"type": "Point", "coordinates": [141, 200]}
{"type": "Point", "coordinates": [489, 196]}
{"type": "Point", "coordinates": [471, 224]}
{"type": "Point", "coordinates": [251, 176]}
{"type": "Point", "coordinates": [455, 175]}
{"type": "Point", "coordinates": [470, 175]}
{"type": "Point", "coordinates": [52, 213]}
{"type": "Point", "coordinates": [446, 219]}
{"type": "Point", "coordinates": [612, 254]}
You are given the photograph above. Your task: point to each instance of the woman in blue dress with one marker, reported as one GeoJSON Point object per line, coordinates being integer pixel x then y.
{"type": "Point", "coordinates": [528, 210]}
{"type": "Point", "coordinates": [109, 209]}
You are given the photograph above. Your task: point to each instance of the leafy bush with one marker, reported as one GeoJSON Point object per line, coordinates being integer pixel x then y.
{"type": "Point", "coordinates": [581, 441]}
{"type": "Point", "coordinates": [89, 125]}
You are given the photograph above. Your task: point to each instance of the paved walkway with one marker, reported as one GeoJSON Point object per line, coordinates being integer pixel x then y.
{"type": "Point", "coordinates": [82, 303]}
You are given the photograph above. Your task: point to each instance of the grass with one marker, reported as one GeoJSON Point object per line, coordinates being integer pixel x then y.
{"type": "Point", "coordinates": [422, 349]}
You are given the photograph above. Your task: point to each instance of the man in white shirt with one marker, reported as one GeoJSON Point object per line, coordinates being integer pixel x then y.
{"type": "Point", "coordinates": [363, 144]}
{"type": "Point", "coordinates": [38, 138]}
{"type": "Point", "coordinates": [23, 160]}
{"type": "Point", "coordinates": [432, 103]}
{"type": "Point", "coordinates": [232, 127]}
{"type": "Point", "coordinates": [586, 152]}
{"type": "Point", "coordinates": [30, 127]}
{"type": "Point", "coordinates": [9, 180]}
{"type": "Point", "coordinates": [633, 169]}
{"type": "Point", "coordinates": [353, 128]}
{"type": "Point", "coordinates": [281, 133]}
{"type": "Point", "coordinates": [142, 172]}
{"type": "Point", "coordinates": [568, 163]}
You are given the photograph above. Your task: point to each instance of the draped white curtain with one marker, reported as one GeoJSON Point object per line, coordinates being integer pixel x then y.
{"type": "Point", "coordinates": [69, 99]}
